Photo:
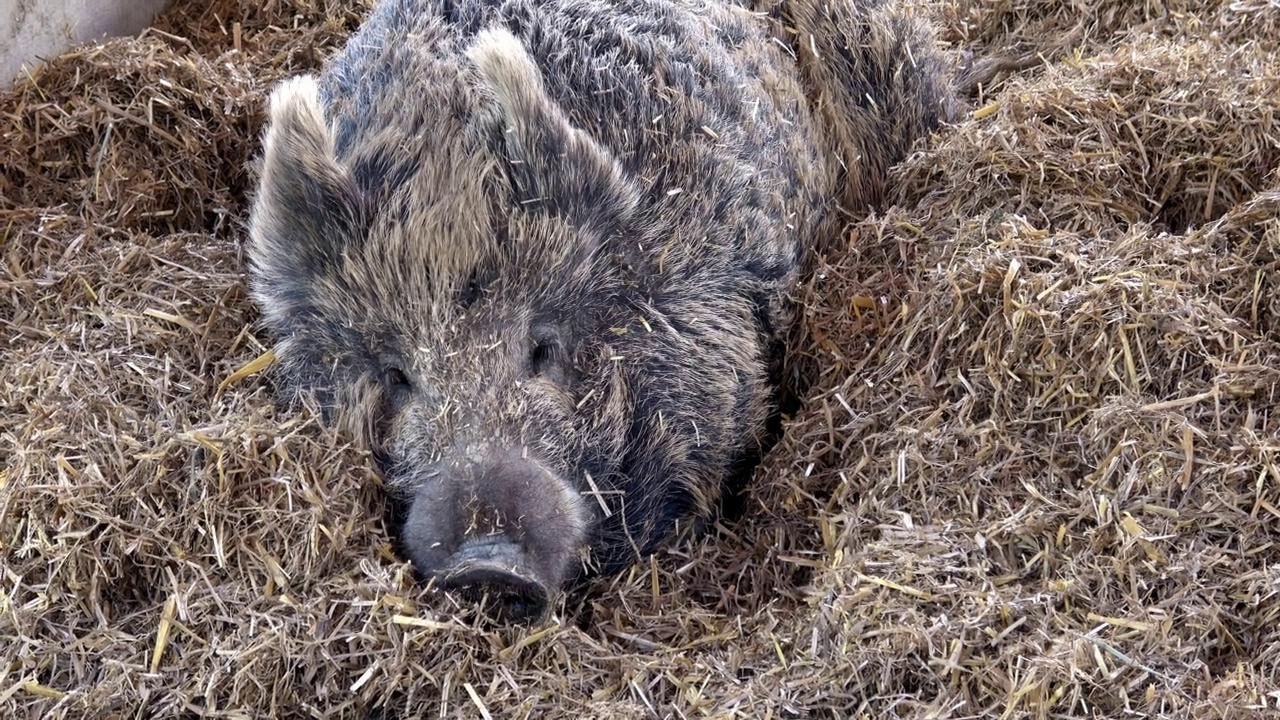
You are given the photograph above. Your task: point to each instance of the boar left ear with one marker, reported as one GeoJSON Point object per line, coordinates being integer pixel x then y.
{"type": "Point", "coordinates": [307, 209]}
{"type": "Point", "coordinates": [551, 161]}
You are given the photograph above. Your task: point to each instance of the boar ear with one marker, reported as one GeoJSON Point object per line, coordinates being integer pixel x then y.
{"type": "Point", "coordinates": [306, 210]}
{"type": "Point", "coordinates": [551, 161]}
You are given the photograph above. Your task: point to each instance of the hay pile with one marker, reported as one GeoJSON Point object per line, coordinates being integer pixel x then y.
{"type": "Point", "coordinates": [1038, 475]}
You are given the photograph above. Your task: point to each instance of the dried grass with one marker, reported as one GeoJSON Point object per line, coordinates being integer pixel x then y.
{"type": "Point", "coordinates": [1038, 474]}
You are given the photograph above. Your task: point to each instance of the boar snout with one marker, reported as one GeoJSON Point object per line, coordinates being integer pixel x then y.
{"type": "Point", "coordinates": [505, 532]}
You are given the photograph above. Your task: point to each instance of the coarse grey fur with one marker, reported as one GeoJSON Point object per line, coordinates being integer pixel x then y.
{"type": "Point", "coordinates": [538, 254]}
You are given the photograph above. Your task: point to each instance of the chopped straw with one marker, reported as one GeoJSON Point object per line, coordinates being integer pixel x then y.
{"type": "Point", "coordinates": [1037, 473]}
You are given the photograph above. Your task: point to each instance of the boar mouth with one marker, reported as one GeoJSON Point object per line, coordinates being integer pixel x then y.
{"type": "Point", "coordinates": [492, 576]}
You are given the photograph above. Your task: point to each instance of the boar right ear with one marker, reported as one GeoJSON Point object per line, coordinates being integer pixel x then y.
{"type": "Point", "coordinates": [307, 209]}
{"type": "Point", "coordinates": [552, 162]}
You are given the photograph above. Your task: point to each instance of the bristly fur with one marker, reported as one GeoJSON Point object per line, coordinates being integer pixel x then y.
{"type": "Point", "coordinates": [565, 231]}
{"type": "Point", "coordinates": [874, 79]}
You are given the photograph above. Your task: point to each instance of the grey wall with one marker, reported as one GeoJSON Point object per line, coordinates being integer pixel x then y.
{"type": "Point", "coordinates": [34, 30]}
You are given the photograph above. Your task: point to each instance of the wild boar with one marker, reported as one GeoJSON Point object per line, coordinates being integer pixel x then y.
{"type": "Point", "coordinates": [538, 255]}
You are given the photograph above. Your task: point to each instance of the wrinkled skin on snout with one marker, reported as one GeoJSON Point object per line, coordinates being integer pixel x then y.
{"type": "Point", "coordinates": [537, 256]}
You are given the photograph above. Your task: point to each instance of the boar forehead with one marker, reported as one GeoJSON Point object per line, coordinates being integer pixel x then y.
{"type": "Point", "coordinates": [445, 247]}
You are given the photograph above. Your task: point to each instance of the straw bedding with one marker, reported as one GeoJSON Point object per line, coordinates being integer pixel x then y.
{"type": "Point", "coordinates": [1037, 473]}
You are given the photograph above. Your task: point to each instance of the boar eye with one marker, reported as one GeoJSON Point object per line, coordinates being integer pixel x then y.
{"type": "Point", "coordinates": [396, 381]}
{"type": "Point", "coordinates": [545, 355]}
{"type": "Point", "coordinates": [542, 355]}
{"type": "Point", "coordinates": [469, 293]}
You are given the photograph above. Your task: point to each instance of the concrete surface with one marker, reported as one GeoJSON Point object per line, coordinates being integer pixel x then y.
{"type": "Point", "coordinates": [32, 31]}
